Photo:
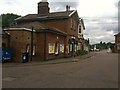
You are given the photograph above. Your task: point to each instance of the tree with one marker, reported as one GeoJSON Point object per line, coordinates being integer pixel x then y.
{"type": "Point", "coordinates": [101, 42]}
{"type": "Point", "coordinates": [0, 21]}
{"type": "Point", "coordinates": [110, 45]}
{"type": "Point", "coordinates": [7, 19]}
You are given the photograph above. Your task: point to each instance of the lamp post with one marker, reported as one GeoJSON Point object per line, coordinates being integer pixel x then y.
{"type": "Point", "coordinates": [73, 45]}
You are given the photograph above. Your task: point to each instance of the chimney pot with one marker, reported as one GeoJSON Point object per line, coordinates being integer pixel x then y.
{"type": "Point", "coordinates": [44, 1]}
{"type": "Point", "coordinates": [67, 8]}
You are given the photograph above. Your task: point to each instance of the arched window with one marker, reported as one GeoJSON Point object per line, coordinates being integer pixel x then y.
{"type": "Point", "coordinates": [3, 45]}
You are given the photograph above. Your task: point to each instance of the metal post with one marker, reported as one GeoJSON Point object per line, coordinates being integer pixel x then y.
{"type": "Point", "coordinates": [44, 45]}
{"type": "Point", "coordinates": [73, 45]}
{"type": "Point", "coordinates": [73, 49]}
{"type": "Point", "coordinates": [31, 44]}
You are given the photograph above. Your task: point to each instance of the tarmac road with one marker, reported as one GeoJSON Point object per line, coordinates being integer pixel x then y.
{"type": "Point", "coordinates": [99, 71]}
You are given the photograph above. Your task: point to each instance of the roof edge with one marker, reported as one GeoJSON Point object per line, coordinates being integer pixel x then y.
{"type": "Point", "coordinates": [72, 13]}
{"type": "Point", "coordinates": [12, 29]}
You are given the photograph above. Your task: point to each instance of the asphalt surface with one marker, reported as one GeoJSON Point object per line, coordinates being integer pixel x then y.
{"type": "Point", "coordinates": [98, 71]}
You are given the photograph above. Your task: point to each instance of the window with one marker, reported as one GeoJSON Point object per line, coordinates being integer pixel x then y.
{"type": "Point", "coordinates": [62, 48]}
{"type": "Point", "coordinates": [70, 47]}
{"type": "Point", "coordinates": [34, 49]}
{"type": "Point", "coordinates": [80, 29]}
{"type": "Point", "coordinates": [118, 47]}
{"type": "Point", "coordinates": [27, 48]}
{"type": "Point", "coordinates": [51, 47]}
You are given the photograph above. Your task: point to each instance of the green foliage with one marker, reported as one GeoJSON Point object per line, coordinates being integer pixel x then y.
{"type": "Point", "coordinates": [110, 45]}
{"type": "Point", "coordinates": [102, 45]}
{"type": "Point", "coordinates": [81, 52]}
{"type": "Point", "coordinates": [91, 46]}
{"type": "Point", "coordinates": [7, 19]}
{"type": "Point", "coordinates": [0, 21]}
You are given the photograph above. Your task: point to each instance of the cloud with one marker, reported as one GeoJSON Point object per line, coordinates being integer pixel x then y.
{"type": "Point", "coordinates": [11, 2]}
{"type": "Point", "coordinates": [100, 16]}
{"type": "Point", "coordinates": [98, 8]}
{"type": "Point", "coordinates": [101, 29]}
{"type": "Point", "coordinates": [61, 5]}
{"type": "Point", "coordinates": [101, 22]}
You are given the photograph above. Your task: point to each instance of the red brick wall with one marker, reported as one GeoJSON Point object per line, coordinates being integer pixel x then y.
{"type": "Point", "coordinates": [18, 42]}
{"type": "Point", "coordinates": [117, 39]}
{"type": "Point", "coordinates": [40, 47]}
{"type": "Point", "coordinates": [52, 38]}
{"type": "Point", "coordinates": [59, 24]}
{"type": "Point", "coordinates": [70, 26]}
{"type": "Point", "coordinates": [20, 39]}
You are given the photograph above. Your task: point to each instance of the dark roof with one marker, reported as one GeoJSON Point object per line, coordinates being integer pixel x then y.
{"type": "Point", "coordinates": [39, 27]}
{"type": "Point", "coordinates": [36, 25]}
{"type": "Point", "coordinates": [117, 34]}
{"type": "Point", "coordinates": [54, 15]}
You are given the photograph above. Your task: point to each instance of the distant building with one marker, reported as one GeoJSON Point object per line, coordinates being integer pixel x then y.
{"type": "Point", "coordinates": [5, 39]}
{"type": "Point", "coordinates": [47, 35]}
{"type": "Point", "coordinates": [116, 47]}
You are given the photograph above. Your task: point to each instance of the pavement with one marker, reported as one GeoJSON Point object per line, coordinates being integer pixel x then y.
{"type": "Point", "coordinates": [55, 61]}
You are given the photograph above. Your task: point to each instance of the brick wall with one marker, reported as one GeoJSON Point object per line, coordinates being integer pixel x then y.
{"type": "Point", "coordinates": [53, 38]}
{"type": "Point", "coordinates": [20, 39]}
{"type": "Point", "coordinates": [117, 41]}
{"type": "Point", "coordinates": [18, 42]}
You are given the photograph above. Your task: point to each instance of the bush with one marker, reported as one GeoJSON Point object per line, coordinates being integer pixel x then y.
{"type": "Point", "coordinates": [81, 52]}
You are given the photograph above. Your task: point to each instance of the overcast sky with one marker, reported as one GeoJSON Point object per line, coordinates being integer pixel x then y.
{"type": "Point", "coordinates": [100, 16]}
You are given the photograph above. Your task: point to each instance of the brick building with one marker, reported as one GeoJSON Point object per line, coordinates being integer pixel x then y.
{"type": "Point", "coordinates": [117, 43]}
{"type": "Point", "coordinates": [47, 35]}
{"type": "Point", "coordinates": [4, 39]}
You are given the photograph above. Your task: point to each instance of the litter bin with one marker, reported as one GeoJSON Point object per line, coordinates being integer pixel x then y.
{"type": "Point", "coordinates": [25, 57]}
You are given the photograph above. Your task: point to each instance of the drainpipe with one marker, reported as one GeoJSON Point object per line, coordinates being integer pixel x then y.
{"type": "Point", "coordinates": [44, 45]}
{"type": "Point", "coordinates": [31, 44]}
{"type": "Point", "coordinates": [73, 49]}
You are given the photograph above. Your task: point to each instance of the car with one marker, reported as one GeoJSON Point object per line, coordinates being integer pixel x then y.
{"type": "Point", "coordinates": [91, 49]}
{"type": "Point", "coordinates": [97, 50]}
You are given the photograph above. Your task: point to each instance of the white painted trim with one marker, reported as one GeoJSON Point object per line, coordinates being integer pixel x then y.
{"type": "Point", "coordinates": [72, 13]}
{"type": "Point", "coordinates": [19, 18]}
{"type": "Point", "coordinates": [19, 29]}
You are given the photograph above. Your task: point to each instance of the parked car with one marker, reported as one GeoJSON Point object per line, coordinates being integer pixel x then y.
{"type": "Point", "coordinates": [91, 49]}
{"type": "Point", "coordinates": [97, 50]}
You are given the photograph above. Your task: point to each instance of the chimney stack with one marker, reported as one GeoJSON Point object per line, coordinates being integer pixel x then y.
{"type": "Point", "coordinates": [44, 1]}
{"type": "Point", "coordinates": [43, 7]}
{"type": "Point", "coordinates": [67, 8]}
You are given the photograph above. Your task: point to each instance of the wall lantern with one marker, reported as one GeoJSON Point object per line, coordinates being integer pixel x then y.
{"type": "Point", "coordinates": [57, 37]}
{"type": "Point", "coordinates": [73, 40]}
